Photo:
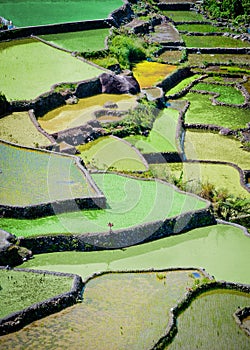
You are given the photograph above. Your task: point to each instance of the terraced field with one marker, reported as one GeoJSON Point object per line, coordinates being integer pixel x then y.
{"type": "Point", "coordinates": [202, 111]}
{"type": "Point", "coordinates": [37, 12]}
{"type": "Point", "coordinates": [39, 177]}
{"type": "Point", "coordinates": [42, 64]}
{"type": "Point", "coordinates": [123, 310]}
{"type": "Point", "coordinates": [149, 74]}
{"type": "Point", "coordinates": [129, 202]}
{"type": "Point", "coordinates": [162, 137]}
{"type": "Point", "coordinates": [18, 128]}
{"type": "Point", "coordinates": [88, 40]}
{"type": "Point", "coordinates": [70, 116]}
{"type": "Point", "coordinates": [111, 153]}
{"type": "Point", "coordinates": [217, 148]}
{"type": "Point", "coordinates": [195, 174]}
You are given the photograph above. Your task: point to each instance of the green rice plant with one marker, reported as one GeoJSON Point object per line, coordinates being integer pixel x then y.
{"type": "Point", "coordinates": [23, 57]}
{"type": "Point", "coordinates": [228, 94]}
{"type": "Point", "coordinates": [202, 111]}
{"type": "Point", "coordinates": [48, 177]}
{"type": "Point", "coordinates": [16, 292]}
{"type": "Point", "coordinates": [184, 16]}
{"type": "Point", "coordinates": [18, 128]}
{"type": "Point", "coordinates": [120, 305]}
{"type": "Point", "coordinates": [108, 152]}
{"type": "Point", "coordinates": [199, 59]}
{"type": "Point", "coordinates": [211, 313]}
{"type": "Point", "coordinates": [202, 28]}
{"type": "Point", "coordinates": [213, 41]}
{"type": "Point", "coordinates": [162, 136]}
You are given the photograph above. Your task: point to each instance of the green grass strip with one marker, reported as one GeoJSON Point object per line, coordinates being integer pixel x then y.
{"type": "Point", "coordinates": [182, 85]}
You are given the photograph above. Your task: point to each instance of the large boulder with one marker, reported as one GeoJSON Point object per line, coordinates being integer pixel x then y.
{"type": "Point", "coordinates": [119, 84]}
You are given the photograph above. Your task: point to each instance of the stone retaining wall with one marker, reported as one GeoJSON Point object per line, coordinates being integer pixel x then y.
{"type": "Point", "coordinates": [174, 78]}
{"type": "Point", "coordinates": [19, 319]}
{"type": "Point", "coordinates": [162, 157]}
{"type": "Point", "coordinates": [219, 50]}
{"type": "Point", "coordinates": [123, 237]}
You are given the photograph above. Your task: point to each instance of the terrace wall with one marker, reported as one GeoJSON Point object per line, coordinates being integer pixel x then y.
{"type": "Point", "coordinates": [19, 319]}
{"type": "Point", "coordinates": [175, 78]}
{"type": "Point", "coordinates": [24, 32]}
{"type": "Point", "coordinates": [120, 238]}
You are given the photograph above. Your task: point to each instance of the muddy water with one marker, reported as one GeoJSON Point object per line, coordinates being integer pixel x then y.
{"type": "Point", "coordinates": [71, 116]}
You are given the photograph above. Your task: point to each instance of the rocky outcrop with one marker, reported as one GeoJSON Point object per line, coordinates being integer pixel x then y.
{"type": "Point", "coordinates": [11, 254]}
{"type": "Point", "coordinates": [119, 84]}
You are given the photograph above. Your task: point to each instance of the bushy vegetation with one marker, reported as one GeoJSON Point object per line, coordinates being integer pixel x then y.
{"type": "Point", "coordinates": [128, 48]}
{"type": "Point", "coordinates": [138, 121]}
{"type": "Point", "coordinates": [237, 10]}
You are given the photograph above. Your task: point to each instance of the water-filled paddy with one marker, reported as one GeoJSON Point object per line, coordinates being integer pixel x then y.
{"type": "Point", "coordinates": [111, 153]}
{"type": "Point", "coordinates": [88, 40]}
{"type": "Point", "coordinates": [209, 324]}
{"type": "Point", "coordinates": [129, 202]}
{"type": "Point", "coordinates": [223, 250]}
{"type": "Point", "coordinates": [149, 74]}
{"type": "Point", "coordinates": [195, 174]}
{"type": "Point", "coordinates": [217, 147]}
{"type": "Point", "coordinates": [70, 116]}
{"type": "Point", "coordinates": [30, 177]}
{"type": "Point", "coordinates": [122, 311]}
{"type": "Point", "coordinates": [29, 68]}
{"type": "Point", "coordinates": [162, 137]}
{"type": "Point", "coordinates": [18, 128]}
{"type": "Point", "coordinates": [37, 12]}
{"type": "Point", "coordinates": [227, 94]}
{"type": "Point", "coordinates": [202, 111]}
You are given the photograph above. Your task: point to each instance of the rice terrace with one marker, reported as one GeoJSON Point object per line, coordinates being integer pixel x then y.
{"type": "Point", "coordinates": [124, 174]}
